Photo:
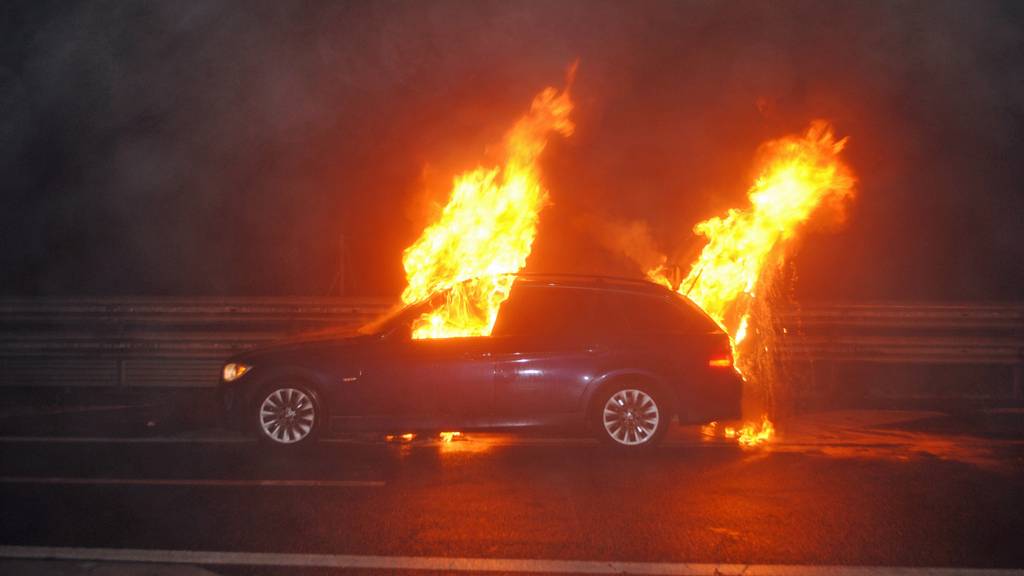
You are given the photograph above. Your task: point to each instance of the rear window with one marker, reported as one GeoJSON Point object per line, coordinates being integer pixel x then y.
{"type": "Point", "coordinates": [657, 313]}
{"type": "Point", "coordinates": [544, 311]}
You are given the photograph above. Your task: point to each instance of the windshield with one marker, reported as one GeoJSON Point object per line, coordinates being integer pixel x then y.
{"type": "Point", "coordinates": [389, 319]}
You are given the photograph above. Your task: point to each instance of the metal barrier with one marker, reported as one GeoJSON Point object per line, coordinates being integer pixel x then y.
{"type": "Point", "coordinates": [169, 342]}
{"type": "Point", "coordinates": [181, 342]}
{"type": "Point", "coordinates": [943, 336]}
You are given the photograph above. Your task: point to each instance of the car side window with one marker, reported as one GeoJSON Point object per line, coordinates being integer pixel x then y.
{"type": "Point", "coordinates": [643, 313]}
{"type": "Point", "coordinates": [547, 312]}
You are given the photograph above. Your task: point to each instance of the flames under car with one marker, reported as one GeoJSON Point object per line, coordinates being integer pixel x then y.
{"type": "Point", "coordinates": [618, 358]}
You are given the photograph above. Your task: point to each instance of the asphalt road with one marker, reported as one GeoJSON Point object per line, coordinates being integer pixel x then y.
{"type": "Point", "coordinates": [839, 490]}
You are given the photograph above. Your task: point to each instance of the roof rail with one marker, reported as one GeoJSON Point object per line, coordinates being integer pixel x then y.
{"type": "Point", "coordinates": [594, 277]}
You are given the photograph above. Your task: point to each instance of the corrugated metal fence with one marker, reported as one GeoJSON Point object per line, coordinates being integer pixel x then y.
{"type": "Point", "coordinates": [180, 342]}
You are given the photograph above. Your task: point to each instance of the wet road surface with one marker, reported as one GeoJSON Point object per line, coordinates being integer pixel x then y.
{"type": "Point", "coordinates": [836, 489]}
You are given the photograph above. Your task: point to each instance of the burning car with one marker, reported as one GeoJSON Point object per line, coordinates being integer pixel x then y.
{"type": "Point", "coordinates": [619, 358]}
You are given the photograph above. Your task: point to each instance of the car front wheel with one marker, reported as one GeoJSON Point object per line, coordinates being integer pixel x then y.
{"type": "Point", "coordinates": [287, 415]}
{"type": "Point", "coordinates": [631, 416]}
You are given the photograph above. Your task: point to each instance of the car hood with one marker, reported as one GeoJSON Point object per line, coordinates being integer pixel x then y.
{"type": "Point", "coordinates": [333, 338]}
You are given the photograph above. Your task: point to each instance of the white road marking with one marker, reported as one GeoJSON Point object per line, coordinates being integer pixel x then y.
{"type": "Point", "coordinates": [125, 440]}
{"type": "Point", "coordinates": [442, 564]}
{"type": "Point", "coordinates": [192, 482]}
{"type": "Point", "coordinates": [77, 410]}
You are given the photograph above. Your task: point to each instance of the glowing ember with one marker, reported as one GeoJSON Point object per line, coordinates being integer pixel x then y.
{"type": "Point", "coordinates": [752, 435]}
{"type": "Point", "coordinates": [797, 175]}
{"type": "Point", "coordinates": [449, 436]}
{"type": "Point", "coordinates": [747, 435]}
{"type": "Point", "coordinates": [486, 231]}
{"type": "Point", "coordinates": [741, 331]}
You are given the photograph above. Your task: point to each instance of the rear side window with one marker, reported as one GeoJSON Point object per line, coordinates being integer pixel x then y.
{"type": "Point", "coordinates": [655, 313]}
{"type": "Point", "coordinates": [541, 311]}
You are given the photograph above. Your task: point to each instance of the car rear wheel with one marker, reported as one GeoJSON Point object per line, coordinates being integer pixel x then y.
{"type": "Point", "coordinates": [287, 415]}
{"type": "Point", "coordinates": [631, 416]}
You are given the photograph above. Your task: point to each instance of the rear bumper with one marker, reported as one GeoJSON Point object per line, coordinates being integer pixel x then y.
{"type": "Point", "coordinates": [719, 397]}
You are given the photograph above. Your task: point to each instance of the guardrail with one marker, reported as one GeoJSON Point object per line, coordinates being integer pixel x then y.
{"type": "Point", "coordinates": [903, 333]}
{"type": "Point", "coordinates": [180, 342]}
{"type": "Point", "coordinates": [947, 342]}
{"type": "Point", "coordinates": [167, 342]}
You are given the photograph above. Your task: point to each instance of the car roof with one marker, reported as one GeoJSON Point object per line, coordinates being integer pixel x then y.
{"type": "Point", "coordinates": [611, 284]}
{"type": "Point", "coordinates": [616, 283]}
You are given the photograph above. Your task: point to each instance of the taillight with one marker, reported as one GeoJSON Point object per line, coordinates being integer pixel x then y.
{"type": "Point", "coordinates": [720, 360]}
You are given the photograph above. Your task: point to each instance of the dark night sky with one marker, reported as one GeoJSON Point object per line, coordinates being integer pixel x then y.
{"type": "Point", "coordinates": [222, 148]}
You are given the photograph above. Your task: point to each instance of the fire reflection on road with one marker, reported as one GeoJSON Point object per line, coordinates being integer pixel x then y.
{"type": "Point", "coordinates": [868, 435]}
{"type": "Point", "coordinates": [882, 435]}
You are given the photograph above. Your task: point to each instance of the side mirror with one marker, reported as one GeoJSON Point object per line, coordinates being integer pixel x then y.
{"type": "Point", "coordinates": [401, 333]}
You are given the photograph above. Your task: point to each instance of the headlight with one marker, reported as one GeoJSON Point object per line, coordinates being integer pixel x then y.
{"type": "Point", "coordinates": [234, 371]}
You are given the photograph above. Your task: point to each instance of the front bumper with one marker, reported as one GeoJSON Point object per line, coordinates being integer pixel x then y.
{"type": "Point", "coordinates": [231, 403]}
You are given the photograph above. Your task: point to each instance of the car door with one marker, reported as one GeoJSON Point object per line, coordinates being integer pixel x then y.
{"type": "Point", "coordinates": [400, 383]}
{"type": "Point", "coordinates": [547, 345]}
{"type": "Point", "coordinates": [379, 389]}
{"type": "Point", "coordinates": [457, 376]}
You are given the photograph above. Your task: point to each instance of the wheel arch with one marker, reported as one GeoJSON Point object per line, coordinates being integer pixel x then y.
{"type": "Point", "coordinates": [279, 375]}
{"type": "Point", "coordinates": [617, 377]}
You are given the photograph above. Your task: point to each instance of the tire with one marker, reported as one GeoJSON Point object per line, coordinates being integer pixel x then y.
{"type": "Point", "coordinates": [630, 416]}
{"type": "Point", "coordinates": [287, 415]}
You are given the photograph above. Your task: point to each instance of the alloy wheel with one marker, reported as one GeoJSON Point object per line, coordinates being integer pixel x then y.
{"type": "Point", "coordinates": [287, 415]}
{"type": "Point", "coordinates": [631, 417]}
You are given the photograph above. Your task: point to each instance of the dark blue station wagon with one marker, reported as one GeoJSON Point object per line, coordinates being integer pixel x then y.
{"type": "Point", "coordinates": [615, 357]}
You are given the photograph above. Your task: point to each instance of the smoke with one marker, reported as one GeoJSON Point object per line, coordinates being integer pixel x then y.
{"type": "Point", "coordinates": [631, 240]}
{"type": "Point", "coordinates": [205, 147]}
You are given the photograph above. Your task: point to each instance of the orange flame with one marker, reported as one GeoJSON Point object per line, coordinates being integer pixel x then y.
{"type": "Point", "coordinates": [751, 435]}
{"type": "Point", "coordinates": [798, 174]}
{"type": "Point", "coordinates": [486, 231]}
{"type": "Point", "coordinates": [449, 436]}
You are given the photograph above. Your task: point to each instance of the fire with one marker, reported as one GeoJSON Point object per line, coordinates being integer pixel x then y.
{"type": "Point", "coordinates": [797, 175]}
{"type": "Point", "coordinates": [751, 435]}
{"type": "Point", "coordinates": [747, 435]}
{"type": "Point", "coordinates": [741, 331]}
{"type": "Point", "coordinates": [449, 436]}
{"type": "Point", "coordinates": [485, 232]}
